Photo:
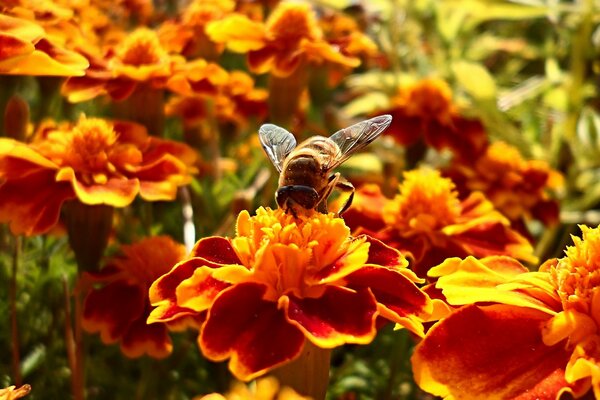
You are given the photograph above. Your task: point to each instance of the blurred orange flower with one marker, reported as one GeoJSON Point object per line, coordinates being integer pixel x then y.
{"type": "Point", "coordinates": [281, 281]}
{"type": "Point", "coordinates": [424, 111]}
{"type": "Point", "coordinates": [265, 389]}
{"type": "Point", "coordinates": [520, 333]}
{"type": "Point", "coordinates": [116, 303]}
{"type": "Point", "coordinates": [137, 59]}
{"type": "Point", "coordinates": [519, 188]}
{"type": "Point", "coordinates": [26, 50]}
{"type": "Point", "coordinates": [96, 161]}
{"type": "Point", "coordinates": [289, 36]}
{"type": "Point", "coordinates": [11, 393]}
{"type": "Point", "coordinates": [428, 222]}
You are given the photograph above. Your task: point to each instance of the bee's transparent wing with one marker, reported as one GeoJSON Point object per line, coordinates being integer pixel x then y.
{"type": "Point", "coordinates": [277, 143]}
{"type": "Point", "coordinates": [357, 136]}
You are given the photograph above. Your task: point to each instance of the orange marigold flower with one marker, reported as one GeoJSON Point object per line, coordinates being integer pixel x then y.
{"type": "Point", "coordinates": [11, 393]}
{"type": "Point", "coordinates": [265, 389]}
{"type": "Point", "coordinates": [545, 323]}
{"type": "Point", "coordinates": [95, 161]}
{"type": "Point", "coordinates": [137, 59]}
{"type": "Point", "coordinates": [424, 110]}
{"type": "Point", "coordinates": [281, 281]}
{"type": "Point", "coordinates": [429, 223]}
{"type": "Point", "coordinates": [290, 36]}
{"type": "Point", "coordinates": [116, 304]}
{"type": "Point", "coordinates": [519, 188]}
{"type": "Point", "coordinates": [26, 50]}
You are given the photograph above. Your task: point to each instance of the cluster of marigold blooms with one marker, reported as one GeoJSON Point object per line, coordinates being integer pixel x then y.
{"type": "Point", "coordinates": [441, 258]}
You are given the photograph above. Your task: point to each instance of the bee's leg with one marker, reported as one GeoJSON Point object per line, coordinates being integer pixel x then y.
{"type": "Point", "coordinates": [345, 186]}
{"type": "Point", "coordinates": [333, 179]}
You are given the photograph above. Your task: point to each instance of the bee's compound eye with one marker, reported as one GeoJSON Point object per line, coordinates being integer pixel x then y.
{"type": "Point", "coordinates": [305, 196]}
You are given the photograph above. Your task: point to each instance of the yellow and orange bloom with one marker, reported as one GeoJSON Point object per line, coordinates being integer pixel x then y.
{"type": "Point", "coordinates": [26, 50]}
{"type": "Point", "coordinates": [116, 304]}
{"type": "Point", "coordinates": [95, 161]}
{"type": "Point", "coordinates": [138, 59]}
{"type": "Point", "coordinates": [424, 111]}
{"type": "Point", "coordinates": [428, 222]}
{"type": "Point", "coordinates": [289, 37]}
{"type": "Point", "coordinates": [14, 393]}
{"type": "Point", "coordinates": [281, 281]}
{"type": "Point", "coordinates": [519, 334]}
{"type": "Point", "coordinates": [521, 189]}
{"type": "Point", "coordinates": [265, 389]}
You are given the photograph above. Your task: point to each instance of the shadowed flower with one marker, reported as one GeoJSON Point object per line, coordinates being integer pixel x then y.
{"type": "Point", "coordinates": [281, 281]}
{"type": "Point", "coordinates": [290, 36]}
{"type": "Point", "coordinates": [117, 305]}
{"type": "Point", "coordinates": [424, 111]}
{"type": "Point", "coordinates": [528, 334]}
{"type": "Point", "coordinates": [10, 393]}
{"type": "Point", "coordinates": [26, 50]}
{"type": "Point", "coordinates": [96, 161]}
{"type": "Point", "coordinates": [265, 389]}
{"type": "Point", "coordinates": [519, 188]}
{"type": "Point", "coordinates": [428, 222]}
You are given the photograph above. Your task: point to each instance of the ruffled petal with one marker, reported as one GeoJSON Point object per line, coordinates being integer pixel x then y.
{"type": "Point", "coordinates": [339, 316]}
{"type": "Point", "coordinates": [250, 330]}
{"type": "Point", "coordinates": [492, 352]}
{"type": "Point", "coordinates": [142, 338]}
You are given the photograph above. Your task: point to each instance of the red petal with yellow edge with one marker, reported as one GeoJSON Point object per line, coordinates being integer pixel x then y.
{"type": "Point", "coordinates": [492, 352]}
{"type": "Point", "coordinates": [32, 204]}
{"type": "Point", "coordinates": [216, 249]}
{"type": "Point", "coordinates": [116, 192]}
{"type": "Point", "coordinates": [384, 255]}
{"type": "Point", "coordinates": [163, 291]}
{"type": "Point", "coordinates": [142, 338]}
{"type": "Point", "coordinates": [339, 316]}
{"type": "Point", "coordinates": [250, 330]}
{"type": "Point", "coordinates": [110, 310]}
{"type": "Point", "coordinates": [199, 291]}
{"type": "Point", "coordinates": [392, 290]}
{"type": "Point", "coordinates": [261, 61]}
{"type": "Point", "coordinates": [11, 46]}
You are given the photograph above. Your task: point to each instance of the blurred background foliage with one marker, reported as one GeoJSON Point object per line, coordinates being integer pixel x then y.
{"type": "Point", "coordinates": [528, 69]}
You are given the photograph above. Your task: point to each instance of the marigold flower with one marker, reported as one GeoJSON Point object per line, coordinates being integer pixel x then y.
{"type": "Point", "coordinates": [424, 111]}
{"type": "Point", "coordinates": [96, 161]}
{"type": "Point", "coordinates": [265, 389]}
{"type": "Point", "coordinates": [119, 307]}
{"type": "Point", "coordinates": [290, 36]}
{"type": "Point", "coordinates": [138, 59]}
{"type": "Point", "coordinates": [12, 393]}
{"type": "Point", "coordinates": [281, 281]}
{"type": "Point", "coordinates": [528, 332]}
{"type": "Point", "coordinates": [428, 222]}
{"type": "Point", "coordinates": [519, 188]}
{"type": "Point", "coordinates": [26, 50]}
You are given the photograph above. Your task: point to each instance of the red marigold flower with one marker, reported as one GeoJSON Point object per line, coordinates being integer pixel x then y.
{"type": "Point", "coordinates": [281, 281]}
{"type": "Point", "coordinates": [118, 309]}
{"type": "Point", "coordinates": [520, 333]}
{"type": "Point", "coordinates": [424, 111]}
{"type": "Point", "coordinates": [265, 389]}
{"type": "Point", "coordinates": [519, 188]}
{"type": "Point", "coordinates": [26, 50]}
{"type": "Point", "coordinates": [290, 36]}
{"type": "Point", "coordinates": [96, 161]}
{"type": "Point", "coordinates": [428, 222]}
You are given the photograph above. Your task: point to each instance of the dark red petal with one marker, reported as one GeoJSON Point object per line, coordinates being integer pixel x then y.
{"type": "Point", "coordinates": [382, 254]}
{"type": "Point", "coordinates": [251, 330]}
{"type": "Point", "coordinates": [216, 249]}
{"type": "Point", "coordinates": [339, 316]}
{"type": "Point", "coordinates": [142, 338]}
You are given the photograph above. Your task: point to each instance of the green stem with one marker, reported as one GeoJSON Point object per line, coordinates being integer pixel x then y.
{"type": "Point", "coordinates": [12, 299]}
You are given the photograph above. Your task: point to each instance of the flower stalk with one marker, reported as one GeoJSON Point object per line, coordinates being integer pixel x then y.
{"type": "Point", "coordinates": [12, 299]}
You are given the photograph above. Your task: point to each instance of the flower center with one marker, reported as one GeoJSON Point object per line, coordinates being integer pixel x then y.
{"type": "Point", "coordinates": [291, 22]}
{"type": "Point", "coordinates": [577, 275]}
{"type": "Point", "coordinates": [500, 156]}
{"type": "Point", "coordinates": [426, 202]}
{"type": "Point", "coordinates": [201, 12]}
{"type": "Point", "coordinates": [142, 47]}
{"type": "Point", "coordinates": [428, 98]}
{"type": "Point", "coordinates": [289, 254]}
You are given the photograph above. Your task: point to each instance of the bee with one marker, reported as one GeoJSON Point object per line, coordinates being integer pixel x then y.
{"type": "Point", "coordinates": [306, 179]}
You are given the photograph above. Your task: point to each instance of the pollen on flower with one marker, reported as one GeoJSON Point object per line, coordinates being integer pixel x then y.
{"type": "Point", "coordinates": [292, 22]}
{"type": "Point", "coordinates": [577, 276]}
{"type": "Point", "coordinates": [142, 47]}
{"type": "Point", "coordinates": [89, 144]}
{"type": "Point", "coordinates": [426, 201]}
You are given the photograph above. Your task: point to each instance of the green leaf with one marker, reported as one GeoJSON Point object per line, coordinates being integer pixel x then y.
{"type": "Point", "coordinates": [475, 79]}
